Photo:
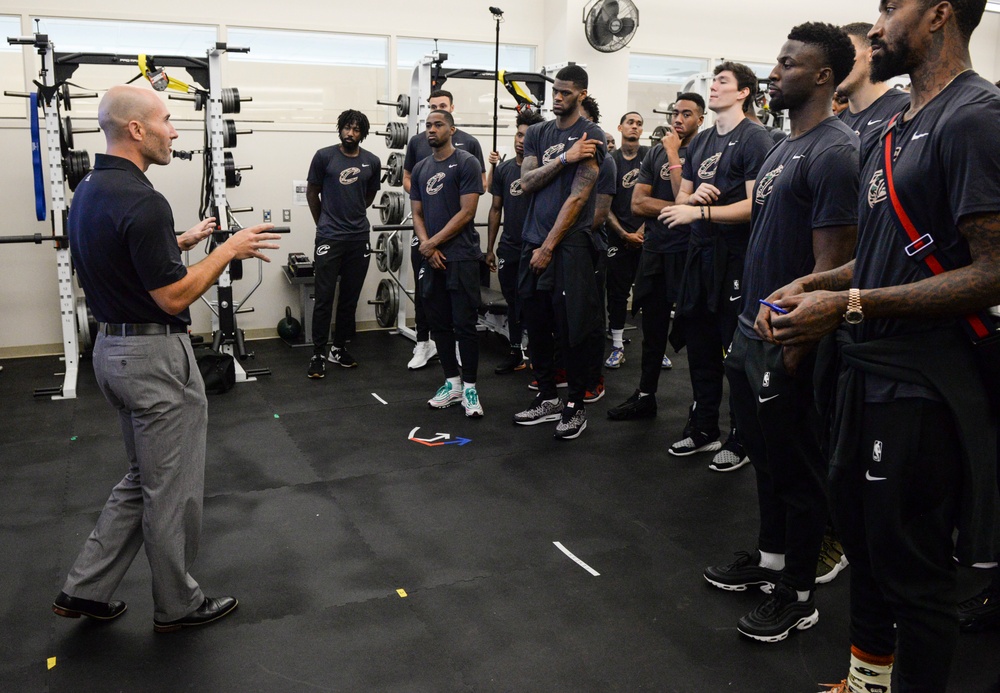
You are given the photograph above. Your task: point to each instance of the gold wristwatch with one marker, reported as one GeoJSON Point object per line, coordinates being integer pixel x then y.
{"type": "Point", "coordinates": [853, 315]}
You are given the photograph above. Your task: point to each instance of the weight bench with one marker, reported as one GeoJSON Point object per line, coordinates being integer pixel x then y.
{"type": "Point", "coordinates": [492, 311]}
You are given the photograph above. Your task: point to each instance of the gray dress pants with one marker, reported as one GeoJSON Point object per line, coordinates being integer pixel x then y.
{"type": "Point", "coordinates": [154, 384]}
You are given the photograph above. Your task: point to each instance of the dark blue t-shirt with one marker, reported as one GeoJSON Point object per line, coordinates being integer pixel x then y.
{"type": "Point", "coordinates": [417, 149]}
{"type": "Point", "coordinates": [506, 184]}
{"type": "Point", "coordinates": [439, 186]}
{"type": "Point", "coordinates": [545, 142]}
{"type": "Point", "coordinates": [121, 237]}
{"type": "Point", "coordinates": [727, 162]}
{"type": "Point", "coordinates": [626, 176]}
{"type": "Point", "coordinates": [654, 173]}
{"type": "Point", "coordinates": [807, 182]}
{"type": "Point", "coordinates": [347, 184]}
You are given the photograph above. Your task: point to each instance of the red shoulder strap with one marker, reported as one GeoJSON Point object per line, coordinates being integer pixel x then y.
{"type": "Point", "coordinates": [918, 241]}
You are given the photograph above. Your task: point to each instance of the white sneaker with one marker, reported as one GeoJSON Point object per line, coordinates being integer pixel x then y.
{"type": "Point", "coordinates": [470, 402]}
{"type": "Point", "coordinates": [445, 396]}
{"type": "Point", "coordinates": [423, 352]}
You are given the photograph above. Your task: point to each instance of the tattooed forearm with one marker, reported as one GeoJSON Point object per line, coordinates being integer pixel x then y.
{"type": "Point", "coordinates": [583, 185]}
{"type": "Point", "coordinates": [534, 178]}
{"type": "Point", "coordinates": [958, 292]}
{"type": "Point", "coordinates": [837, 279]}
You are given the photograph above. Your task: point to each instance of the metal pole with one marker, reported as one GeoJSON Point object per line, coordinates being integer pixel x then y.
{"type": "Point", "coordinates": [498, 16]}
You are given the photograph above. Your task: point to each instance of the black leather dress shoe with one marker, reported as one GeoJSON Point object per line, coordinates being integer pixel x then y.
{"type": "Point", "coordinates": [212, 609]}
{"type": "Point", "coordinates": [73, 607]}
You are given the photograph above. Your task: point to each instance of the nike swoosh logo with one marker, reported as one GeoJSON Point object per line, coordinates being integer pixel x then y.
{"type": "Point", "coordinates": [735, 298]}
{"type": "Point", "coordinates": [452, 165]}
{"type": "Point", "coordinates": [766, 399]}
{"type": "Point", "coordinates": [572, 139]}
{"type": "Point", "coordinates": [922, 134]}
{"type": "Point", "coordinates": [869, 477]}
{"type": "Point", "coordinates": [798, 156]}
{"type": "Point", "coordinates": [874, 122]}
{"type": "Point", "coordinates": [733, 144]}
{"type": "Point", "coordinates": [364, 165]}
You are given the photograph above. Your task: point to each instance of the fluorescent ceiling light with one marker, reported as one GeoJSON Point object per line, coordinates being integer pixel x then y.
{"type": "Point", "coordinates": [993, 6]}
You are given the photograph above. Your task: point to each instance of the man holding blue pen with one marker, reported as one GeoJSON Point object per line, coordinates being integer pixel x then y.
{"type": "Point", "coordinates": [804, 216]}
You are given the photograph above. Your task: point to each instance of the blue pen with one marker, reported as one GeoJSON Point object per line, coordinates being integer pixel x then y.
{"type": "Point", "coordinates": [776, 309]}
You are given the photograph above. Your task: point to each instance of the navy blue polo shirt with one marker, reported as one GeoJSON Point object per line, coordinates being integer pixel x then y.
{"type": "Point", "coordinates": [121, 236]}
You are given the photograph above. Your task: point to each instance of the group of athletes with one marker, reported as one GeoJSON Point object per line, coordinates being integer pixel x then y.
{"type": "Point", "coordinates": [780, 261]}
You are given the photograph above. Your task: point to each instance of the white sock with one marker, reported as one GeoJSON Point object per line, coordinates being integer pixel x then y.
{"type": "Point", "coordinates": [802, 595]}
{"type": "Point", "coordinates": [456, 382]}
{"type": "Point", "coordinates": [617, 339]}
{"type": "Point", "coordinates": [643, 394]}
{"type": "Point", "coordinates": [774, 561]}
{"type": "Point", "coordinates": [551, 401]}
{"type": "Point", "coordinates": [867, 676]}
{"type": "Point", "coordinates": [466, 386]}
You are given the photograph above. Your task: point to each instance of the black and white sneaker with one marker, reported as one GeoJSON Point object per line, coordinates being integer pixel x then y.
{"type": "Point", "coordinates": [540, 411]}
{"type": "Point", "coordinates": [697, 441]}
{"type": "Point", "coordinates": [731, 457]}
{"type": "Point", "coordinates": [778, 615]}
{"type": "Point", "coordinates": [317, 366]}
{"type": "Point", "coordinates": [745, 571]}
{"type": "Point", "coordinates": [341, 357]}
{"type": "Point", "coordinates": [572, 423]}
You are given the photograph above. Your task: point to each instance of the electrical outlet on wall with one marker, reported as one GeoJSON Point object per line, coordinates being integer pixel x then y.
{"type": "Point", "coordinates": [286, 215]}
{"type": "Point", "coordinates": [267, 216]}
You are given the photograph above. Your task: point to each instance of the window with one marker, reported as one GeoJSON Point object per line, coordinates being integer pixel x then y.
{"type": "Point", "coordinates": [655, 80]}
{"type": "Point", "coordinates": [307, 77]}
{"type": "Point", "coordinates": [105, 36]}
{"type": "Point", "coordinates": [11, 69]}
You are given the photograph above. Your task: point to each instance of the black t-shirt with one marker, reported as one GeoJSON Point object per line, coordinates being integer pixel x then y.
{"type": "Point", "coordinates": [948, 167]}
{"type": "Point", "coordinates": [347, 183]}
{"type": "Point", "coordinates": [627, 174]}
{"type": "Point", "coordinates": [439, 186]}
{"type": "Point", "coordinates": [727, 162]}
{"type": "Point", "coordinates": [653, 172]}
{"type": "Point", "coordinates": [417, 149]}
{"type": "Point", "coordinates": [506, 184]}
{"type": "Point", "coordinates": [869, 123]}
{"type": "Point", "coordinates": [545, 141]}
{"type": "Point", "coordinates": [807, 182]}
{"type": "Point", "coordinates": [121, 236]}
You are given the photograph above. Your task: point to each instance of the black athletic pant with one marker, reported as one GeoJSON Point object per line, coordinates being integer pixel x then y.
{"type": "Point", "coordinates": [894, 510]}
{"type": "Point", "coordinates": [708, 334]}
{"type": "Point", "coordinates": [779, 426]}
{"type": "Point", "coordinates": [622, 264]}
{"type": "Point", "coordinates": [656, 307]}
{"type": "Point", "coordinates": [419, 316]}
{"type": "Point", "coordinates": [546, 322]}
{"type": "Point", "coordinates": [347, 261]}
{"type": "Point", "coordinates": [508, 271]}
{"type": "Point", "coordinates": [451, 300]}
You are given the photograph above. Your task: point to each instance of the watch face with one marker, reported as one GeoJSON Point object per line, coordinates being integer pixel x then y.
{"type": "Point", "coordinates": [853, 316]}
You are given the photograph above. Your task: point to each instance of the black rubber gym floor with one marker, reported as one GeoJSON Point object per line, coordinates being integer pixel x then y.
{"type": "Point", "coordinates": [367, 561]}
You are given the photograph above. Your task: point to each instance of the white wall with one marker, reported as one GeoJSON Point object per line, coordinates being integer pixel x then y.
{"type": "Point", "coordinates": [281, 153]}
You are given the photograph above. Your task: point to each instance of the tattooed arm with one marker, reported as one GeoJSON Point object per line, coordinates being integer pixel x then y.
{"type": "Point", "coordinates": [953, 293]}
{"type": "Point", "coordinates": [583, 186]}
{"type": "Point", "coordinates": [534, 178]}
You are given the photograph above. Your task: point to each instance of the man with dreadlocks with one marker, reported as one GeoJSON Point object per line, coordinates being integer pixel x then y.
{"type": "Point", "coordinates": [343, 181]}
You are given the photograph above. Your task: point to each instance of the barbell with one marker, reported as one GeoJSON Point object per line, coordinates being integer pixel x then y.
{"type": "Point", "coordinates": [396, 135]}
{"type": "Point", "coordinates": [391, 207]}
{"type": "Point", "coordinates": [402, 104]}
{"type": "Point", "coordinates": [394, 170]}
{"type": "Point", "coordinates": [386, 303]}
{"type": "Point", "coordinates": [658, 132]}
{"type": "Point", "coordinates": [388, 252]}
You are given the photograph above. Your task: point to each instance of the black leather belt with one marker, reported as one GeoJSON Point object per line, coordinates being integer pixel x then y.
{"type": "Point", "coordinates": [129, 329]}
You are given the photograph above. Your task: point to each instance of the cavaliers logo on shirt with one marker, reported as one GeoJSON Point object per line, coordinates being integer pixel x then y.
{"type": "Point", "coordinates": [767, 184]}
{"type": "Point", "coordinates": [709, 166]}
{"type": "Point", "coordinates": [629, 179]}
{"type": "Point", "coordinates": [665, 170]}
{"type": "Point", "coordinates": [515, 188]}
{"type": "Point", "coordinates": [876, 189]}
{"type": "Point", "coordinates": [552, 152]}
{"type": "Point", "coordinates": [434, 184]}
{"type": "Point", "coordinates": [349, 175]}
